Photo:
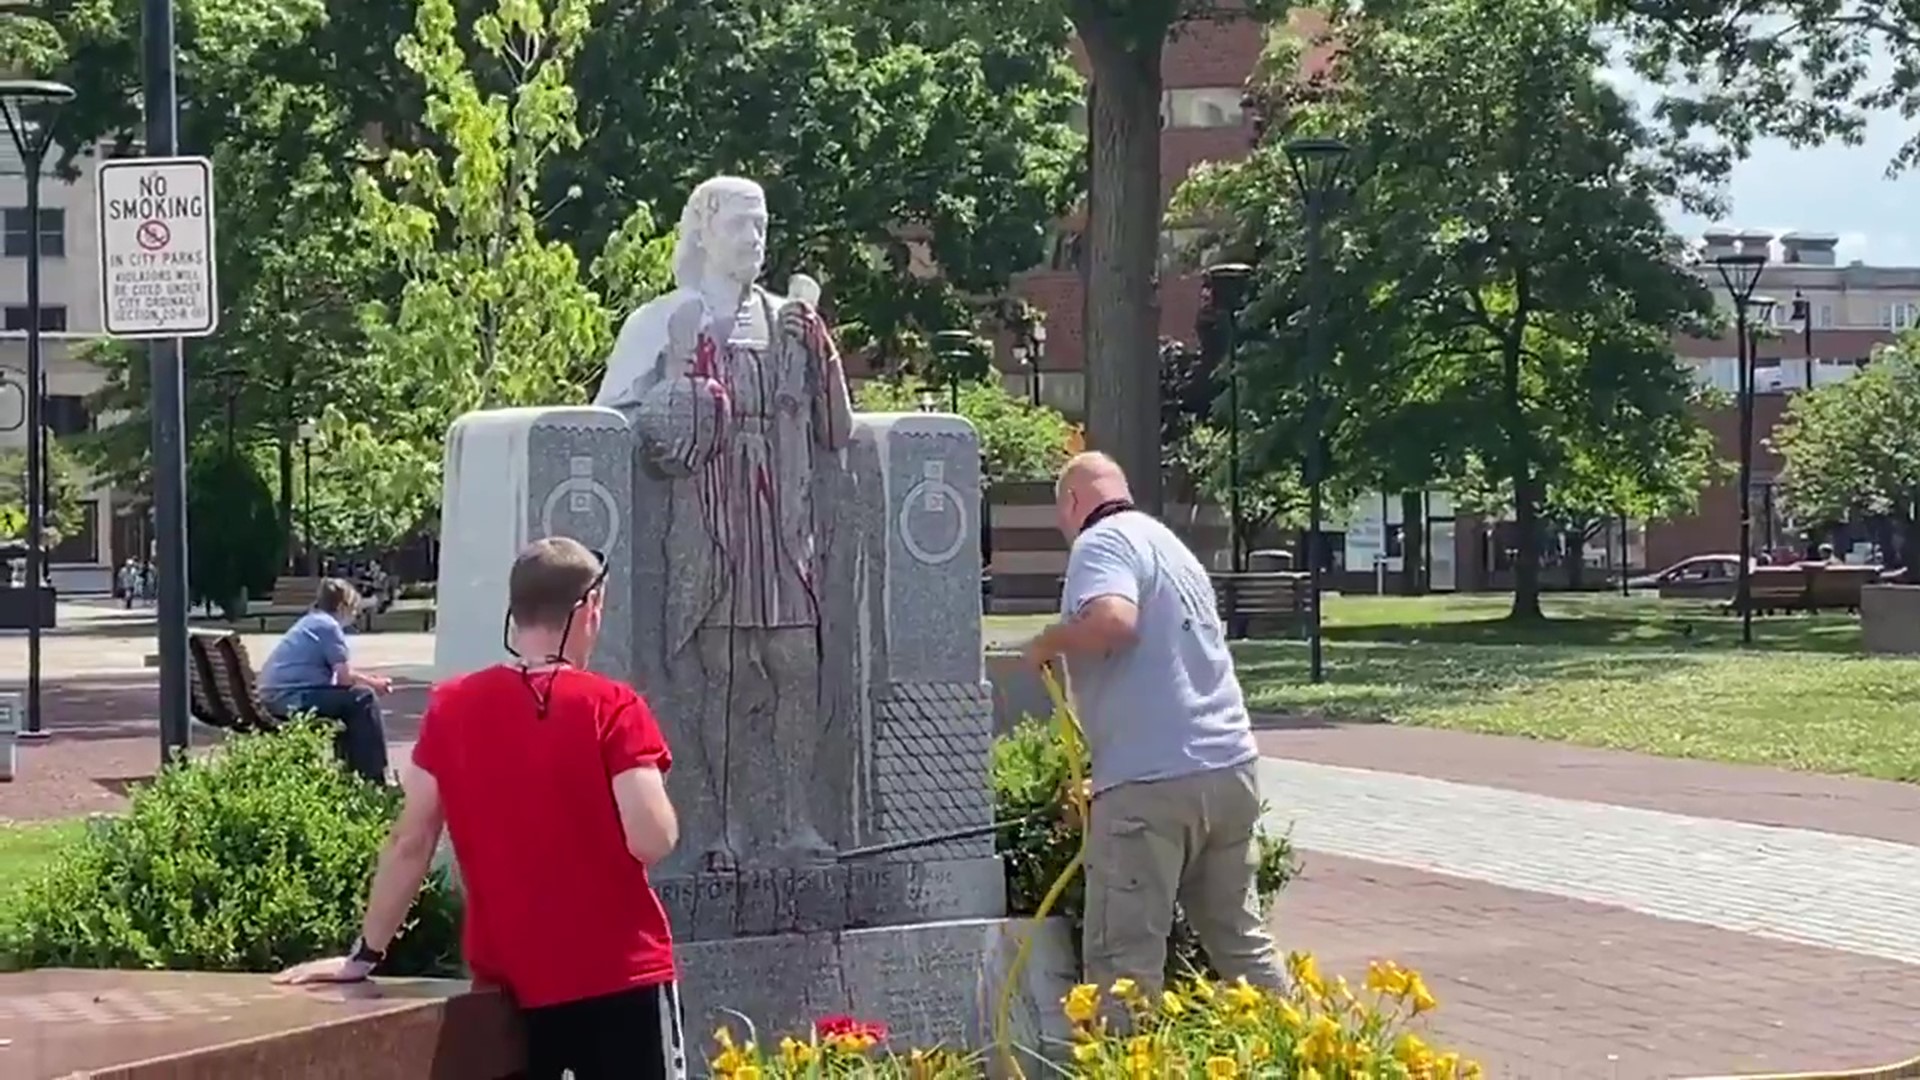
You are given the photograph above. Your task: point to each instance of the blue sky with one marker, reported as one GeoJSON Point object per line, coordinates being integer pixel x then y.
{"type": "Point", "coordinates": [1834, 188]}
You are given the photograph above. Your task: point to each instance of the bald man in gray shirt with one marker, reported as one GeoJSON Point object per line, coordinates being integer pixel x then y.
{"type": "Point", "coordinates": [1176, 798]}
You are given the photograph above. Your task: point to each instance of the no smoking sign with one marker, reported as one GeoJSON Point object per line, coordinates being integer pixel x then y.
{"type": "Point", "coordinates": [157, 253]}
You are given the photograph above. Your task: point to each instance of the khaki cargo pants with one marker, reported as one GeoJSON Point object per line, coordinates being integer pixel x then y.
{"type": "Point", "coordinates": [1188, 840]}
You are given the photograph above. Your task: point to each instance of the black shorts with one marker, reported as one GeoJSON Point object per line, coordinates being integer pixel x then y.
{"type": "Point", "coordinates": [632, 1035]}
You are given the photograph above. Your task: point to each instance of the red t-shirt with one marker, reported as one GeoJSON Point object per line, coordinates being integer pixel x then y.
{"type": "Point", "coordinates": [556, 908]}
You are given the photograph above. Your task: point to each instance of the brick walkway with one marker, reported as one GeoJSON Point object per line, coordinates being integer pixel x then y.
{"type": "Point", "coordinates": [1601, 914]}
{"type": "Point", "coordinates": [1538, 986]}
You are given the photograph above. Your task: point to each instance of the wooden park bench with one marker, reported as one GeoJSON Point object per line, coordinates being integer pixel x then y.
{"type": "Point", "coordinates": [1807, 586]}
{"type": "Point", "coordinates": [291, 596]}
{"type": "Point", "coordinates": [1261, 604]}
{"type": "Point", "coordinates": [221, 684]}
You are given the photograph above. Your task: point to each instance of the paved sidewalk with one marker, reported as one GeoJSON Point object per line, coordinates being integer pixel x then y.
{"type": "Point", "coordinates": [1538, 987]}
{"type": "Point", "coordinates": [1579, 937]}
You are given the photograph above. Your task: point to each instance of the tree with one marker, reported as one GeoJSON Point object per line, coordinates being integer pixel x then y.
{"type": "Point", "coordinates": [490, 313]}
{"type": "Point", "coordinates": [1853, 447]}
{"type": "Point", "coordinates": [1018, 441]}
{"type": "Point", "coordinates": [233, 531]}
{"type": "Point", "coordinates": [64, 494]}
{"type": "Point", "coordinates": [874, 128]}
{"type": "Point", "coordinates": [1505, 290]}
{"type": "Point", "coordinates": [1804, 70]}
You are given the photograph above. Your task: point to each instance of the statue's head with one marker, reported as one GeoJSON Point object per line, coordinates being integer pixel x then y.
{"type": "Point", "coordinates": [723, 231]}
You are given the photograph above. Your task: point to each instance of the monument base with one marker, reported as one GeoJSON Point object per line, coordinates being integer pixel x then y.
{"type": "Point", "coordinates": [763, 902]}
{"type": "Point", "coordinates": [932, 984]}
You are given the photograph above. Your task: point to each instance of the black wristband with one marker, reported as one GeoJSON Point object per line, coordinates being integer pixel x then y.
{"type": "Point", "coordinates": [364, 953]}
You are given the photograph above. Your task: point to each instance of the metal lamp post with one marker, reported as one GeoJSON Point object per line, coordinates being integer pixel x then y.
{"type": "Point", "coordinates": [1740, 273]}
{"type": "Point", "coordinates": [29, 107]}
{"type": "Point", "coordinates": [1227, 287]}
{"type": "Point", "coordinates": [1036, 356]}
{"type": "Point", "coordinates": [1802, 313]}
{"type": "Point", "coordinates": [954, 348]}
{"type": "Point", "coordinates": [1317, 166]}
{"type": "Point", "coordinates": [309, 431]}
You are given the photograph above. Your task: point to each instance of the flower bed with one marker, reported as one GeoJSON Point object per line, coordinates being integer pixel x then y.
{"type": "Point", "coordinates": [1315, 1030]}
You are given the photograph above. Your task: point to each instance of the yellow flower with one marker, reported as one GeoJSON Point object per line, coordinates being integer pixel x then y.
{"type": "Point", "coordinates": [1086, 1053]}
{"type": "Point", "coordinates": [1242, 996]}
{"type": "Point", "coordinates": [1310, 1073]}
{"type": "Point", "coordinates": [1220, 1067]}
{"type": "Point", "coordinates": [1386, 977]}
{"type": "Point", "coordinates": [1201, 990]}
{"type": "Point", "coordinates": [1291, 1017]}
{"type": "Point", "coordinates": [1172, 1004]}
{"type": "Point", "coordinates": [1258, 1051]}
{"type": "Point", "coordinates": [747, 1072]}
{"type": "Point", "coordinates": [796, 1053]}
{"type": "Point", "coordinates": [1412, 1052]}
{"type": "Point", "coordinates": [1124, 988]}
{"type": "Point", "coordinates": [1082, 1003]}
{"type": "Point", "coordinates": [1306, 972]}
{"type": "Point", "coordinates": [1139, 1046]}
{"type": "Point", "coordinates": [723, 1037]}
{"type": "Point", "coordinates": [1446, 1066]}
{"type": "Point", "coordinates": [1472, 1071]}
{"type": "Point", "coordinates": [1418, 993]}
{"type": "Point", "coordinates": [731, 1061]}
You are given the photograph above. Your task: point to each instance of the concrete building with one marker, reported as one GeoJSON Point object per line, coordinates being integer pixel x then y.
{"type": "Point", "coordinates": [69, 316]}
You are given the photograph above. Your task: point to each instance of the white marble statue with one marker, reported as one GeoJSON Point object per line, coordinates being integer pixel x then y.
{"type": "Point", "coordinates": [737, 396]}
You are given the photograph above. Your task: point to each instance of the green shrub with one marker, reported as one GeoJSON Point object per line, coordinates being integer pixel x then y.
{"type": "Point", "coordinates": [1029, 774]}
{"type": "Point", "coordinates": [250, 859]}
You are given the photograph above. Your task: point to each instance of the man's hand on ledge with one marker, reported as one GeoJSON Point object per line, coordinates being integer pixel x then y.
{"type": "Point", "coordinates": [333, 969]}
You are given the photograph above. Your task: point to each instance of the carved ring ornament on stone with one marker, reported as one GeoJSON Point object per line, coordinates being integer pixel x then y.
{"type": "Point", "coordinates": [937, 494]}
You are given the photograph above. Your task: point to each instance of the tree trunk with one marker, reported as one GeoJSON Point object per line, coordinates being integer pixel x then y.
{"type": "Point", "coordinates": [286, 497]}
{"type": "Point", "coordinates": [1413, 543]}
{"type": "Point", "coordinates": [1576, 541]}
{"type": "Point", "coordinates": [1526, 487]}
{"type": "Point", "coordinates": [1123, 241]}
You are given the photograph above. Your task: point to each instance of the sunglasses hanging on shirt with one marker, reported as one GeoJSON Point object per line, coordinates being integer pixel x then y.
{"type": "Point", "coordinates": [557, 658]}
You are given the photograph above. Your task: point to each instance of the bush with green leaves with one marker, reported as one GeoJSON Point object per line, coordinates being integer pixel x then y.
{"type": "Point", "coordinates": [251, 858]}
{"type": "Point", "coordinates": [1018, 440]}
{"type": "Point", "coordinates": [1030, 774]}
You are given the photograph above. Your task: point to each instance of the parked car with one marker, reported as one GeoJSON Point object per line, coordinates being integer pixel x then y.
{"type": "Point", "coordinates": [1701, 577]}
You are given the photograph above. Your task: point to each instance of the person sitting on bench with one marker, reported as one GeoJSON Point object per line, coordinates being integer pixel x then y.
{"type": "Point", "coordinates": [309, 671]}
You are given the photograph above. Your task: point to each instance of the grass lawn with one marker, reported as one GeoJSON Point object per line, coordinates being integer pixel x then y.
{"type": "Point", "coordinates": [1631, 673]}
{"type": "Point", "coordinates": [27, 846]}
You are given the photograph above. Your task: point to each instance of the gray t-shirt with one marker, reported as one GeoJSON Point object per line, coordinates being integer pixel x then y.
{"type": "Point", "coordinates": [1168, 705]}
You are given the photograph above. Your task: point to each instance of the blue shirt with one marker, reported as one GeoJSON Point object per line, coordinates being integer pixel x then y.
{"type": "Point", "coordinates": [306, 656]}
{"type": "Point", "coordinates": [1169, 704]}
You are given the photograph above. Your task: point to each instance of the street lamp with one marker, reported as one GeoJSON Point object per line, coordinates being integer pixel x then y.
{"type": "Point", "coordinates": [928, 402]}
{"type": "Point", "coordinates": [1802, 313]}
{"type": "Point", "coordinates": [1740, 273]}
{"type": "Point", "coordinates": [309, 431]}
{"type": "Point", "coordinates": [1227, 288]}
{"type": "Point", "coordinates": [1317, 165]}
{"type": "Point", "coordinates": [30, 107]}
{"type": "Point", "coordinates": [231, 381]}
{"type": "Point", "coordinates": [954, 348]}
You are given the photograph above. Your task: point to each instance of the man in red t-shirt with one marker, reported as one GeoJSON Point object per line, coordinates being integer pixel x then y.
{"type": "Point", "coordinates": [550, 780]}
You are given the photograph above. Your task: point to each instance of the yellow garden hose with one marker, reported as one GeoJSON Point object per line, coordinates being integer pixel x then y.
{"type": "Point", "coordinates": [1072, 739]}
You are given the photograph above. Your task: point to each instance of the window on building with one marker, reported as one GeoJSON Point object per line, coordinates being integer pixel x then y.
{"type": "Point", "coordinates": [1823, 316]}
{"type": "Point", "coordinates": [53, 232]}
{"type": "Point", "coordinates": [67, 414]}
{"type": "Point", "coordinates": [53, 317]}
{"type": "Point", "coordinates": [1901, 316]}
{"type": "Point", "coordinates": [1203, 107]}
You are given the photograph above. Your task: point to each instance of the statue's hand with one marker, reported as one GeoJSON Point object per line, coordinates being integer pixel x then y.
{"type": "Point", "coordinates": [801, 322]}
{"type": "Point", "coordinates": [685, 423]}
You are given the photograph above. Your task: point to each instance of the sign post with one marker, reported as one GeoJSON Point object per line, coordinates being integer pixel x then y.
{"type": "Point", "coordinates": [157, 259]}
{"type": "Point", "coordinates": [157, 276]}
{"type": "Point", "coordinates": [9, 733]}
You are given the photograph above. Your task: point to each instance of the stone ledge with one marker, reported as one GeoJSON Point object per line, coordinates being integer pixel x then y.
{"type": "Point", "coordinates": [160, 1025]}
{"type": "Point", "coordinates": [1890, 619]}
